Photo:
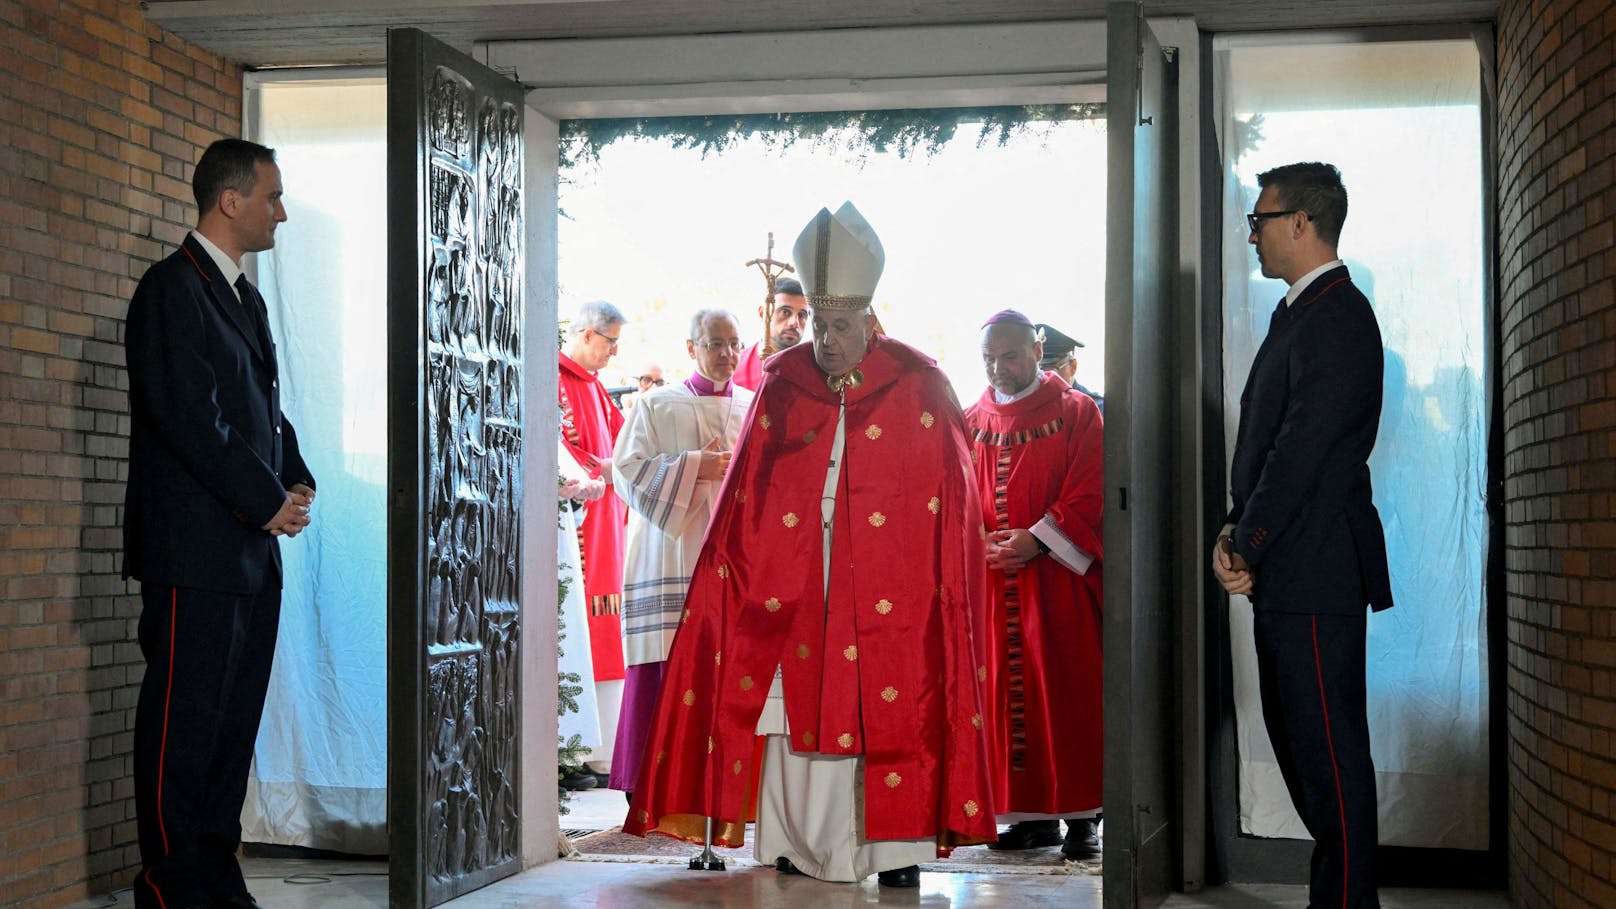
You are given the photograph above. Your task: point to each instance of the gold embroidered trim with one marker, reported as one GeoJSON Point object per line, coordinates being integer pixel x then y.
{"type": "Point", "coordinates": [839, 301]}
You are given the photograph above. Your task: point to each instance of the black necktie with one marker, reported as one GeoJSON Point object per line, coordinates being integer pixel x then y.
{"type": "Point", "coordinates": [257, 313]}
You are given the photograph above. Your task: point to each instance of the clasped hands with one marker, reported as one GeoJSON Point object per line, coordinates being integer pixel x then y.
{"type": "Point", "coordinates": [293, 515]}
{"type": "Point", "coordinates": [1011, 549]}
{"type": "Point", "coordinates": [1229, 567]}
{"type": "Point", "coordinates": [714, 462]}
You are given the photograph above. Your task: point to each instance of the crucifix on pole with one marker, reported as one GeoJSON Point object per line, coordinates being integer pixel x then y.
{"type": "Point", "coordinates": [771, 269]}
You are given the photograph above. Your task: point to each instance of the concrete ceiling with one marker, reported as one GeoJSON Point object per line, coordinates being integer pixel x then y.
{"type": "Point", "coordinates": [326, 32]}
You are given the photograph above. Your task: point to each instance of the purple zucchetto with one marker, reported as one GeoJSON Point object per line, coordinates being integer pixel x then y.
{"type": "Point", "coordinates": [1008, 315]}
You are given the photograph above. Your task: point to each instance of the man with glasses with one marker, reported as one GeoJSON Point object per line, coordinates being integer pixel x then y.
{"type": "Point", "coordinates": [589, 428]}
{"type": "Point", "coordinates": [670, 460]}
{"type": "Point", "coordinates": [785, 330]}
{"type": "Point", "coordinates": [1303, 539]}
{"type": "Point", "coordinates": [1060, 358]}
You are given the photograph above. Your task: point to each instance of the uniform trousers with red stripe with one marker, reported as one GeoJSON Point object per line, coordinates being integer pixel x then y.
{"type": "Point", "coordinates": [1311, 672]}
{"type": "Point", "coordinates": [208, 657]}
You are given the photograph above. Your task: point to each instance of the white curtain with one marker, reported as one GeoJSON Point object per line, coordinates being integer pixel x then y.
{"type": "Point", "coordinates": [1402, 122]}
{"type": "Point", "coordinates": [320, 769]}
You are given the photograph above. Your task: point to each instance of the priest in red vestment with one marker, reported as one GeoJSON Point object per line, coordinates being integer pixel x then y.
{"type": "Point", "coordinates": [1038, 455]}
{"type": "Point", "coordinates": [785, 329]}
{"type": "Point", "coordinates": [589, 427]}
{"type": "Point", "coordinates": [824, 679]}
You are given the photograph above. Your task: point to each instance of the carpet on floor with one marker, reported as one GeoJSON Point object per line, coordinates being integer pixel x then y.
{"type": "Point", "coordinates": [616, 846]}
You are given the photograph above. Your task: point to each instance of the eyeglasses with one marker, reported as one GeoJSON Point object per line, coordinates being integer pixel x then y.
{"type": "Point", "coordinates": [609, 339]}
{"type": "Point", "coordinates": [714, 345]}
{"type": "Point", "coordinates": [647, 380]}
{"type": "Point", "coordinates": [1256, 218]}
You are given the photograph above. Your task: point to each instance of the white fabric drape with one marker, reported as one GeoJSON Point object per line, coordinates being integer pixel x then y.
{"type": "Point", "coordinates": [1402, 122]}
{"type": "Point", "coordinates": [320, 769]}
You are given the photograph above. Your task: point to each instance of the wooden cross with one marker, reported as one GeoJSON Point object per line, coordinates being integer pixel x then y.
{"type": "Point", "coordinates": [779, 268]}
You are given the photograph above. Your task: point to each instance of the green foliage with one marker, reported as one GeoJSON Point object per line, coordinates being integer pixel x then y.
{"type": "Point", "coordinates": [908, 132]}
{"type": "Point", "coordinates": [569, 752]}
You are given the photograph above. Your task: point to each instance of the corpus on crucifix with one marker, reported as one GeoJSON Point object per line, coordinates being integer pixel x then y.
{"type": "Point", "coordinates": [771, 268]}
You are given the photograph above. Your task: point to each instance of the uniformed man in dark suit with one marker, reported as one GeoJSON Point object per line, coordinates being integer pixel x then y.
{"type": "Point", "coordinates": [215, 479]}
{"type": "Point", "coordinates": [1303, 539]}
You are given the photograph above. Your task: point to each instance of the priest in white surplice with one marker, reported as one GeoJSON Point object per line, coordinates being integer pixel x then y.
{"type": "Point", "coordinates": [670, 460]}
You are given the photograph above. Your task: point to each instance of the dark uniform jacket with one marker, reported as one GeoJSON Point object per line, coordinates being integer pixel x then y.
{"type": "Point", "coordinates": [210, 454]}
{"type": "Point", "coordinates": [1303, 510]}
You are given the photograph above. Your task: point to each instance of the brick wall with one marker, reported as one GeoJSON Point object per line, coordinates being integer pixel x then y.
{"type": "Point", "coordinates": [102, 116]}
{"type": "Point", "coordinates": [1557, 280]}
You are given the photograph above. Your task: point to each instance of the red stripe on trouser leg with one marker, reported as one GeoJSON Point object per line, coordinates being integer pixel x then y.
{"type": "Point", "coordinates": [162, 746]}
{"type": "Point", "coordinates": [1329, 741]}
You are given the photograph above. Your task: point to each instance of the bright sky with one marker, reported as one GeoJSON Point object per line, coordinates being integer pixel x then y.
{"type": "Point", "coordinates": [967, 232]}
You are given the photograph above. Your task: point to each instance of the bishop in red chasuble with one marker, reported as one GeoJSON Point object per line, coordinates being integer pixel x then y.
{"type": "Point", "coordinates": [590, 423]}
{"type": "Point", "coordinates": [832, 621]}
{"type": "Point", "coordinates": [1038, 454]}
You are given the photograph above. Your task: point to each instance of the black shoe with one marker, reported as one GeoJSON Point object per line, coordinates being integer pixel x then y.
{"type": "Point", "coordinates": [784, 866]}
{"type": "Point", "coordinates": [1082, 839]}
{"type": "Point", "coordinates": [1029, 835]}
{"type": "Point", "coordinates": [577, 779]}
{"type": "Point", "coordinates": [900, 877]}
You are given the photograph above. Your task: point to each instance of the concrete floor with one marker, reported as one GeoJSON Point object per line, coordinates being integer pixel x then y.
{"type": "Point", "coordinates": [576, 884]}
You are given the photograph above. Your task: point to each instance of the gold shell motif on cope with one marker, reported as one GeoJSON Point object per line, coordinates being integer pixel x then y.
{"type": "Point", "coordinates": [877, 519]}
{"type": "Point", "coordinates": [710, 744]}
{"type": "Point", "coordinates": [851, 652]}
{"type": "Point", "coordinates": [718, 658]}
{"type": "Point", "coordinates": [737, 768]}
{"type": "Point", "coordinates": [690, 697]}
{"type": "Point", "coordinates": [935, 505]}
{"type": "Point", "coordinates": [981, 673]}
{"type": "Point", "coordinates": [976, 720]}
{"type": "Point", "coordinates": [746, 683]}
{"type": "Point", "coordinates": [884, 607]}
{"type": "Point", "coordinates": [809, 436]}
{"type": "Point", "coordinates": [772, 604]}
{"type": "Point", "coordinates": [873, 432]}
{"type": "Point", "coordinates": [889, 694]}
{"type": "Point", "coordinates": [790, 519]}
{"type": "Point", "coordinates": [764, 421]}
{"type": "Point", "coordinates": [892, 780]}
{"type": "Point", "coordinates": [926, 419]}
{"type": "Point", "coordinates": [802, 651]}
{"type": "Point", "coordinates": [808, 738]}
{"type": "Point", "coordinates": [845, 740]}
{"type": "Point", "coordinates": [971, 808]}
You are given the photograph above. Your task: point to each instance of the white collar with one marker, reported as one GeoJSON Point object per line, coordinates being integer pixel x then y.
{"type": "Point", "coordinates": [1302, 282]}
{"type": "Point", "coordinates": [1000, 397]}
{"type": "Point", "coordinates": [227, 266]}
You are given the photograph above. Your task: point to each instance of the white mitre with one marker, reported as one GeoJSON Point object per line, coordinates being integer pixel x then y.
{"type": "Point", "coordinates": [839, 259]}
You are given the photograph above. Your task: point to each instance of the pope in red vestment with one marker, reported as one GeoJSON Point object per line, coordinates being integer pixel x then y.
{"type": "Point", "coordinates": [590, 424]}
{"type": "Point", "coordinates": [881, 662]}
{"type": "Point", "coordinates": [1038, 459]}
